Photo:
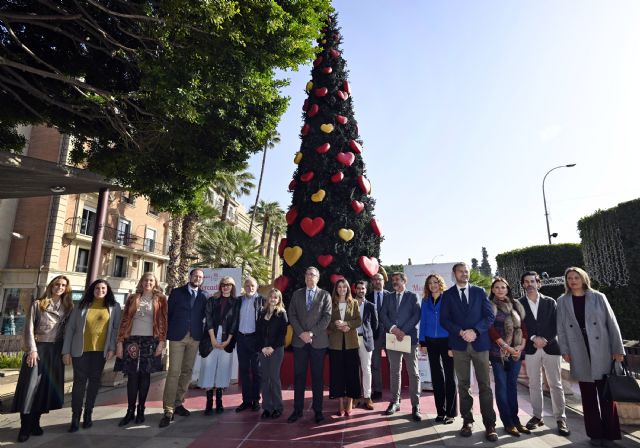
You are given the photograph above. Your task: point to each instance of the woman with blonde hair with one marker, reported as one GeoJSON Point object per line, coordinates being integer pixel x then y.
{"type": "Point", "coordinates": [590, 340]}
{"type": "Point", "coordinates": [141, 339]}
{"type": "Point", "coordinates": [434, 340]}
{"type": "Point", "coordinates": [271, 329]}
{"type": "Point", "coordinates": [344, 371]}
{"type": "Point", "coordinates": [222, 317]}
{"type": "Point", "coordinates": [40, 387]}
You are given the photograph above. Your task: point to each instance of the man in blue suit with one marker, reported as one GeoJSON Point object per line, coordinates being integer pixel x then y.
{"type": "Point", "coordinates": [466, 314]}
{"type": "Point", "coordinates": [400, 314]}
{"type": "Point", "coordinates": [184, 330]}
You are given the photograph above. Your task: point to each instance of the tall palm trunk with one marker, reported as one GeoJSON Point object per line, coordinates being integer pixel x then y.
{"type": "Point", "coordinates": [274, 260]}
{"type": "Point", "coordinates": [225, 209]}
{"type": "Point", "coordinates": [271, 232]}
{"type": "Point", "coordinates": [173, 277]}
{"type": "Point", "coordinates": [255, 205]}
{"type": "Point", "coordinates": [187, 246]}
{"type": "Point", "coordinates": [263, 237]}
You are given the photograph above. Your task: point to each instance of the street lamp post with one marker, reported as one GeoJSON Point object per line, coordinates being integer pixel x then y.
{"type": "Point", "coordinates": [544, 197]}
{"type": "Point", "coordinates": [436, 256]}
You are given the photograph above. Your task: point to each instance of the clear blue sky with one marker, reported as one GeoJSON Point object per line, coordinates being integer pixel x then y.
{"type": "Point", "coordinates": [463, 106]}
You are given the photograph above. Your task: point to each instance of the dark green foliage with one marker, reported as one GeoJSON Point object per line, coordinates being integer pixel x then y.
{"type": "Point", "coordinates": [485, 267]}
{"type": "Point", "coordinates": [474, 264]}
{"type": "Point", "coordinates": [336, 208]}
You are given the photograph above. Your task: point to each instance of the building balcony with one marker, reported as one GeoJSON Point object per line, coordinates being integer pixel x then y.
{"type": "Point", "coordinates": [82, 230]}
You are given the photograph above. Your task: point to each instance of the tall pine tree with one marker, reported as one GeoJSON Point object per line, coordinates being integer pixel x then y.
{"type": "Point", "coordinates": [331, 222]}
{"type": "Point", "coordinates": [485, 267]}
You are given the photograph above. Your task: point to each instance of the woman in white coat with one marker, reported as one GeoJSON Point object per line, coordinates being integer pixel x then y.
{"type": "Point", "coordinates": [589, 338]}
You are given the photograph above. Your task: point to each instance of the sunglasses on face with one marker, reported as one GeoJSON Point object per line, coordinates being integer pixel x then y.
{"type": "Point", "coordinates": [223, 285]}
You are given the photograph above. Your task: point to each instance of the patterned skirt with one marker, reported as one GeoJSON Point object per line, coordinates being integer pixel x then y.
{"type": "Point", "coordinates": [139, 356]}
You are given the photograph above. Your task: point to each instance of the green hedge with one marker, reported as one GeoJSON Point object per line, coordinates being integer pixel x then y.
{"type": "Point", "coordinates": [10, 361]}
{"type": "Point", "coordinates": [550, 258]}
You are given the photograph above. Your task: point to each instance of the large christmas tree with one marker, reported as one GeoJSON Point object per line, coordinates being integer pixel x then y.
{"type": "Point", "coordinates": [331, 224]}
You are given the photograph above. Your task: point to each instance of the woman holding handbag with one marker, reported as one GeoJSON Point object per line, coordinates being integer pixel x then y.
{"type": "Point", "coordinates": [141, 339]}
{"type": "Point", "coordinates": [222, 317]}
{"type": "Point", "coordinates": [589, 338]}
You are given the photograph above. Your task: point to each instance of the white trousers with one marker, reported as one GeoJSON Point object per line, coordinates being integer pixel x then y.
{"type": "Point", "coordinates": [551, 364]}
{"type": "Point", "coordinates": [365, 366]}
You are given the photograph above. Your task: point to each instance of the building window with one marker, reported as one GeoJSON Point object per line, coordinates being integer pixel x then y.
{"type": "Point", "coordinates": [231, 214]}
{"type": "Point", "coordinates": [88, 222]}
{"type": "Point", "coordinates": [82, 261]}
{"type": "Point", "coordinates": [148, 266]}
{"type": "Point", "coordinates": [127, 198]}
{"type": "Point", "coordinates": [152, 210]}
{"type": "Point", "coordinates": [14, 307]}
{"type": "Point", "coordinates": [219, 203]}
{"type": "Point", "coordinates": [124, 230]}
{"type": "Point", "coordinates": [149, 239]}
{"type": "Point", "coordinates": [120, 266]}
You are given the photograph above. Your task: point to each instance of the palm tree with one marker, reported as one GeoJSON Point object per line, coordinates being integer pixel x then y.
{"type": "Point", "coordinates": [279, 226]}
{"type": "Point", "coordinates": [265, 211]}
{"type": "Point", "coordinates": [274, 219]}
{"type": "Point", "coordinates": [272, 141]}
{"type": "Point", "coordinates": [231, 185]}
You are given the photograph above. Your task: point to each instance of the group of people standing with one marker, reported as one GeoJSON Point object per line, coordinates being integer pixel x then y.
{"type": "Point", "coordinates": [456, 327]}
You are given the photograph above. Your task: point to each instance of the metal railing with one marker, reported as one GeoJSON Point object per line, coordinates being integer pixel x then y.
{"type": "Point", "coordinates": [123, 238]}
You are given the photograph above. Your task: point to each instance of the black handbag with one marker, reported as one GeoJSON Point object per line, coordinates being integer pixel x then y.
{"type": "Point", "coordinates": [621, 387]}
{"type": "Point", "coordinates": [205, 346]}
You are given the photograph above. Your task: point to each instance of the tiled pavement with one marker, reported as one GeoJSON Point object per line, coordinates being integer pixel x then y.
{"type": "Point", "coordinates": [246, 429]}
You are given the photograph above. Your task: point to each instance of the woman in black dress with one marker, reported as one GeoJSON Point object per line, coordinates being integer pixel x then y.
{"type": "Point", "coordinates": [40, 387]}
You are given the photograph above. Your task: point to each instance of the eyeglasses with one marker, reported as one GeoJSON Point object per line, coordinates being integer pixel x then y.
{"type": "Point", "coordinates": [223, 285]}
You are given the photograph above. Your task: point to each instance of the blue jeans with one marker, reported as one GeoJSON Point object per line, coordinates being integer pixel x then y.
{"type": "Point", "coordinates": [506, 379]}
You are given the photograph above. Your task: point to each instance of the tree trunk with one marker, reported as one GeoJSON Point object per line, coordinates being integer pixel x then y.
{"type": "Point", "coordinates": [255, 205]}
{"type": "Point", "coordinates": [173, 278]}
{"type": "Point", "coordinates": [271, 232]}
{"type": "Point", "coordinates": [187, 252]}
{"type": "Point", "coordinates": [265, 224]}
{"type": "Point", "coordinates": [225, 209]}
{"type": "Point", "coordinates": [274, 261]}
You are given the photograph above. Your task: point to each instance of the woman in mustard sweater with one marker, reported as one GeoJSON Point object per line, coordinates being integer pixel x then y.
{"type": "Point", "coordinates": [90, 340]}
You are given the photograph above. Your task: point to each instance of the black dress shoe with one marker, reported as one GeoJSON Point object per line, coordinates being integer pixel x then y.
{"type": "Point", "coordinates": [165, 420]}
{"type": "Point", "coordinates": [415, 414]}
{"type": "Point", "coordinates": [376, 395]}
{"type": "Point", "coordinates": [276, 414]}
{"type": "Point", "coordinates": [467, 429]}
{"type": "Point", "coordinates": [392, 409]}
{"type": "Point", "coordinates": [243, 406]}
{"type": "Point", "coordinates": [266, 414]}
{"type": "Point", "coordinates": [294, 417]}
{"type": "Point", "coordinates": [255, 406]}
{"type": "Point", "coordinates": [181, 410]}
{"type": "Point", "coordinates": [439, 419]}
{"type": "Point", "coordinates": [563, 430]}
{"type": "Point", "coordinates": [319, 417]}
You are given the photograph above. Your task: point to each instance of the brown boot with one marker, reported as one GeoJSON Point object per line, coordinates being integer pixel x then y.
{"type": "Point", "coordinates": [368, 404]}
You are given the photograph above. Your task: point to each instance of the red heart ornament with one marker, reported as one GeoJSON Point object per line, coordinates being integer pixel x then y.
{"type": "Point", "coordinates": [313, 110]}
{"type": "Point", "coordinates": [355, 146]}
{"type": "Point", "coordinates": [341, 119]}
{"type": "Point", "coordinates": [335, 277]}
{"type": "Point", "coordinates": [291, 215]}
{"type": "Point", "coordinates": [312, 226]}
{"type": "Point", "coordinates": [305, 130]}
{"type": "Point", "coordinates": [335, 54]}
{"type": "Point", "coordinates": [327, 70]}
{"type": "Point", "coordinates": [342, 95]}
{"type": "Point", "coordinates": [281, 283]}
{"type": "Point", "coordinates": [375, 225]}
{"type": "Point", "coordinates": [337, 177]}
{"type": "Point", "coordinates": [321, 91]}
{"type": "Point", "coordinates": [369, 265]}
{"type": "Point", "coordinates": [336, 36]}
{"type": "Point", "coordinates": [306, 177]}
{"type": "Point", "coordinates": [364, 184]}
{"type": "Point", "coordinates": [305, 105]}
{"type": "Point", "coordinates": [346, 87]}
{"type": "Point", "coordinates": [346, 158]}
{"type": "Point", "coordinates": [292, 185]}
{"type": "Point", "coordinates": [325, 260]}
{"type": "Point", "coordinates": [357, 206]}
{"type": "Point", "coordinates": [318, 61]}
{"type": "Point", "coordinates": [323, 148]}
{"type": "Point", "coordinates": [281, 246]}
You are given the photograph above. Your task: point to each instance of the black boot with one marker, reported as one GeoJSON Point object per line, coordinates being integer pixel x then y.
{"type": "Point", "coordinates": [208, 409]}
{"type": "Point", "coordinates": [86, 421]}
{"type": "Point", "coordinates": [75, 422]}
{"type": "Point", "coordinates": [128, 417]}
{"type": "Point", "coordinates": [219, 407]}
{"type": "Point", "coordinates": [36, 429]}
{"type": "Point", "coordinates": [140, 414]}
{"type": "Point", "coordinates": [25, 427]}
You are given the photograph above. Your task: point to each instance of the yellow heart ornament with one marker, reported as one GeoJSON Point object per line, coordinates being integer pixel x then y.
{"type": "Point", "coordinates": [297, 158]}
{"type": "Point", "coordinates": [309, 86]}
{"type": "Point", "coordinates": [327, 128]}
{"type": "Point", "coordinates": [318, 196]}
{"type": "Point", "coordinates": [346, 234]}
{"type": "Point", "coordinates": [292, 254]}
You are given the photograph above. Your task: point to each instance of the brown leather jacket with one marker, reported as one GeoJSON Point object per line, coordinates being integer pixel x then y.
{"type": "Point", "coordinates": [160, 310]}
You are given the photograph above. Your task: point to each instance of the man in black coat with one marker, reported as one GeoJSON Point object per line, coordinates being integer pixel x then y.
{"type": "Point", "coordinates": [542, 350]}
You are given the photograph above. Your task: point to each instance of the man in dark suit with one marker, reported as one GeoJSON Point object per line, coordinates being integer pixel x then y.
{"type": "Point", "coordinates": [246, 345]}
{"type": "Point", "coordinates": [401, 315]}
{"type": "Point", "coordinates": [466, 314]}
{"type": "Point", "coordinates": [184, 330]}
{"type": "Point", "coordinates": [376, 296]}
{"type": "Point", "coordinates": [542, 351]}
{"type": "Point", "coordinates": [309, 315]}
{"type": "Point", "coordinates": [366, 336]}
